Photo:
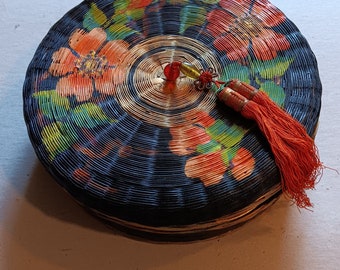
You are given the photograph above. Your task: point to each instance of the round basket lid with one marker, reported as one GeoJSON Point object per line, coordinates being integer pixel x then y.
{"type": "Point", "coordinates": [157, 161]}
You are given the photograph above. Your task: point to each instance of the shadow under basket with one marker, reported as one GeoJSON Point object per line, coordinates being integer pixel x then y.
{"type": "Point", "coordinates": [156, 157]}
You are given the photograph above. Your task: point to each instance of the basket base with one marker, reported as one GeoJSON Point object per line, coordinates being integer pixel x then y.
{"type": "Point", "coordinates": [193, 232]}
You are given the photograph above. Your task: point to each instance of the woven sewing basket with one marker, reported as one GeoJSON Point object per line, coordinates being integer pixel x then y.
{"type": "Point", "coordinates": [159, 162]}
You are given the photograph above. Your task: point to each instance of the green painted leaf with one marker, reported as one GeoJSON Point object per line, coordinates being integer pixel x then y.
{"type": "Point", "coordinates": [119, 31]}
{"type": "Point", "coordinates": [52, 105]}
{"type": "Point", "coordinates": [121, 5]}
{"type": "Point", "coordinates": [275, 92]}
{"type": "Point", "coordinates": [272, 68]}
{"type": "Point", "coordinates": [94, 18]}
{"type": "Point", "coordinates": [228, 136]}
{"type": "Point", "coordinates": [136, 14]}
{"type": "Point", "coordinates": [235, 71]}
{"type": "Point", "coordinates": [211, 2]}
{"type": "Point", "coordinates": [90, 115]}
{"type": "Point", "coordinates": [124, 12]}
{"type": "Point", "coordinates": [192, 15]}
{"type": "Point", "coordinates": [121, 18]}
{"type": "Point", "coordinates": [57, 138]}
{"type": "Point", "coordinates": [228, 154]}
{"type": "Point", "coordinates": [209, 147]}
{"type": "Point", "coordinates": [116, 26]}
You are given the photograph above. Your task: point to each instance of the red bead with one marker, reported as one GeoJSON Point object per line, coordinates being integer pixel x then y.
{"type": "Point", "coordinates": [172, 71]}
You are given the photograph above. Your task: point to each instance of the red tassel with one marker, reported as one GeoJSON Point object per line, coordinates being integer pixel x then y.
{"type": "Point", "coordinates": [294, 150]}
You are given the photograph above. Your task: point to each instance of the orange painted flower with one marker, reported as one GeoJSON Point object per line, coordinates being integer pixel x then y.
{"type": "Point", "coordinates": [91, 64]}
{"type": "Point", "coordinates": [243, 164]}
{"type": "Point", "coordinates": [242, 24]}
{"type": "Point", "coordinates": [209, 168]}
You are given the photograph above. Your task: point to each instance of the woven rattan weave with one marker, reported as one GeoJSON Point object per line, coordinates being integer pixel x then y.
{"type": "Point", "coordinates": [161, 161]}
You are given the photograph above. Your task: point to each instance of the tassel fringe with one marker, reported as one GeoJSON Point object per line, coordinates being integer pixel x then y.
{"type": "Point", "coordinates": [294, 150]}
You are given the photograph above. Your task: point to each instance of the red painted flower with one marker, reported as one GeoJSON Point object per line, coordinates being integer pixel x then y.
{"type": "Point", "coordinates": [242, 24]}
{"type": "Point", "coordinates": [91, 65]}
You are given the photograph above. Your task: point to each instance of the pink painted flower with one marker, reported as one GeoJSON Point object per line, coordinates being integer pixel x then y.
{"type": "Point", "coordinates": [242, 24]}
{"type": "Point", "coordinates": [93, 64]}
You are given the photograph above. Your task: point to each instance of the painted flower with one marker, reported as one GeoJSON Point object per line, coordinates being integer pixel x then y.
{"type": "Point", "coordinates": [242, 165]}
{"type": "Point", "coordinates": [213, 148]}
{"type": "Point", "coordinates": [91, 64]}
{"type": "Point", "coordinates": [242, 24]}
{"type": "Point", "coordinates": [186, 138]}
{"type": "Point", "coordinates": [211, 167]}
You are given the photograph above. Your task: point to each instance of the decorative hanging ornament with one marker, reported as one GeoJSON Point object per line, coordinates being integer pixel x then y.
{"type": "Point", "coordinates": [122, 102]}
